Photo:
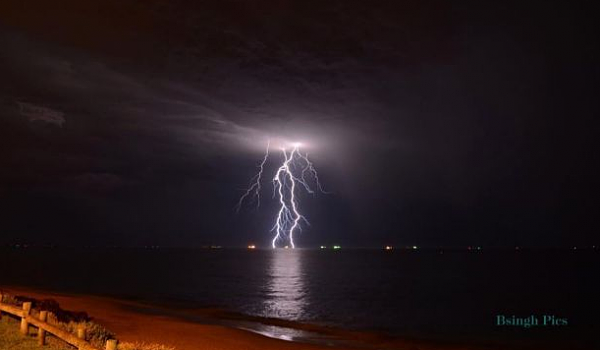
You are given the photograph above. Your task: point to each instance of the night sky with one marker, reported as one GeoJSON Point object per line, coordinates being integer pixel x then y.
{"type": "Point", "coordinates": [431, 123]}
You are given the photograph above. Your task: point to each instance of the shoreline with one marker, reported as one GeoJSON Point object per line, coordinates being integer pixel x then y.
{"type": "Point", "coordinates": [210, 328]}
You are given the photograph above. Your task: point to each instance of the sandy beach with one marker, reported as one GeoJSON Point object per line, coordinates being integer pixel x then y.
{"type": "Point", "coordinates": [137, 322]}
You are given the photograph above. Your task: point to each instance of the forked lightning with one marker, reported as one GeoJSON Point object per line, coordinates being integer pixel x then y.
{"type": "Point", "coordinates": [296, 171]}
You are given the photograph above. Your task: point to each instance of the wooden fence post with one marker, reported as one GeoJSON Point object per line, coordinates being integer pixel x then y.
{"type": "Point", "coordinates": [111, 344]}
{"type": "Point", "coordinates": [24, 323]}
{"type": "Point", "coordinates": [41, 332]}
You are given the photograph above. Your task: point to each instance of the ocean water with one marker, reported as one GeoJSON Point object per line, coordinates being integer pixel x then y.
{"type": "Point", "coordinates": [453, 295]}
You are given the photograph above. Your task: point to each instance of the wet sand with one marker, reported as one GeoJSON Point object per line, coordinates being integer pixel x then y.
{"type": "Point", "coordinates": [138, 322]}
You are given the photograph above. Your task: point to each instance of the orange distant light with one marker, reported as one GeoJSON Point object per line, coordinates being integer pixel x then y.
{"type": "Point", "coordinates": [388, 247]}
{"type": "Point", "coordinates": [252, 246]}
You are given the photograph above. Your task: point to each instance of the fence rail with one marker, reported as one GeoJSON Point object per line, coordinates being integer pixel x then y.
{"type": "Point", "coordinates": [27, 320]}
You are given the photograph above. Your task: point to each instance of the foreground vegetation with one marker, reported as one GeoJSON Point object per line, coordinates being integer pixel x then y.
{"type": "Point", "coordinates": [11, 338]}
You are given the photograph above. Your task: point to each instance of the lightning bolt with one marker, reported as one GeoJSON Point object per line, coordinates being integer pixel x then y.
{"type": "Point", "coordinates": [254, 189]}
{"type": "Point", "coordinates": [296, 171]}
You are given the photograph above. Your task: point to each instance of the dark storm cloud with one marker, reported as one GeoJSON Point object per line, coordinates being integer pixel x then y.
{"type": "Point", "coordinates": [39, 113]}
{"type": "Point", "coordinates": [90, 89]}
{"type": "Point", "coordinates": [100, 182]}
{"type": "Point", "coordinates": [431, 122]}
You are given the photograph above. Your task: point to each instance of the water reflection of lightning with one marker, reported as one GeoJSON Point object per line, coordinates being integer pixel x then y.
{"type": "Point", "coordinates": [295, 170]}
